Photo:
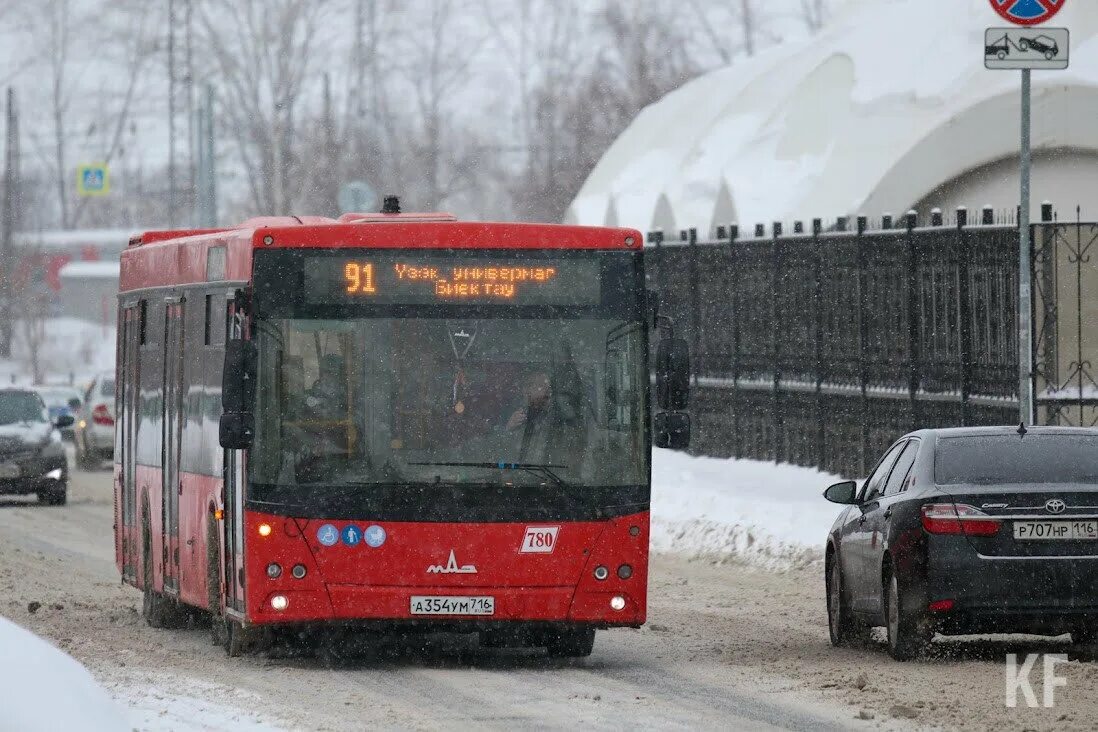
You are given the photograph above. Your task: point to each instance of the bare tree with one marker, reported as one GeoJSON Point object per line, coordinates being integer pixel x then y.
{"type": "Point", "coordinates": [262, 52]}
{"type": "Point", "coordinates": [814, 13]}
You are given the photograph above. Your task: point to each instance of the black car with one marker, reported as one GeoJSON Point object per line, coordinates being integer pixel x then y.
{"type": "Point", "coordinates": [971, 530]}
{"type": "Point", "coordinates": [32, 458]}
{"type": "Point", "coordinates": [999, 49]}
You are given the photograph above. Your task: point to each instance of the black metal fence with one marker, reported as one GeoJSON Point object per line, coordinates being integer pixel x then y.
{"type": "Point", "coordinates": [821, 347]}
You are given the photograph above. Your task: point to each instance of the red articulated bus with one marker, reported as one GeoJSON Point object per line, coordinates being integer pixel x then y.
{"type": "Point", "coordinates": [390, 422]}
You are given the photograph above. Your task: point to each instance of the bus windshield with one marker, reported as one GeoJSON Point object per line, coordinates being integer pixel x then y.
{"type": "Point", "coordinates": [495, 401]}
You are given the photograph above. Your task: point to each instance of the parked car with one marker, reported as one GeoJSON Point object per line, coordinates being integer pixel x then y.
{"type": "Point", "coordinates": [94, 435]}
{"type": "Point", "coordinates": [973, 530]}
{"type": "Point", "coordinates": [61, 400]}
{"type": "Point", "coordinates": [1041, 44]}
{"type": "Point", "coordinates": [32, 458]}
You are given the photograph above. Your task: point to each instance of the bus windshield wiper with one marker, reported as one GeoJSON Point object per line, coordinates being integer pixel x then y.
{"type": "Point", "coordinates": [535, 468]}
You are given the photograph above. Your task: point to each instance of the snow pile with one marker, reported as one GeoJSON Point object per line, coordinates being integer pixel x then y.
{"type": "Point", "coordinates": [42, 688]}
{"type": "Point", "coordinates": [763, 513]}
{"type": "Point", "coordinates": [159, 705]}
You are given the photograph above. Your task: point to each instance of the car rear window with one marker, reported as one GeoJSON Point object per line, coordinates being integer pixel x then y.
{"type": "Point", "coordinates": [106, 388]}
{"type": "Point", "coordinates": [990, 459]}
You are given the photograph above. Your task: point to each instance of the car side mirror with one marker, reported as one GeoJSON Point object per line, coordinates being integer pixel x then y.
{"type": "Point", "coordinates": [672, 430]}
{"type": "Point", "coordinates": [672, 374]}
{"type": "Point", "coordinates": [845, 493]}
{"type": "Point", "coordinates": [235, 430]}
{"type": "Point", "coordinates": [74, 405]}
{"type": "Point", "coordinates": [63, 421]}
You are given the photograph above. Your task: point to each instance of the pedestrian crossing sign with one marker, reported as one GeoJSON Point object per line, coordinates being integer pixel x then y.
{"type": "Point", "coordinates": [93, 179]}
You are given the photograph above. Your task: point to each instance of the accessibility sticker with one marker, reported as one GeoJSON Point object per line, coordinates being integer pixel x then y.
{"type": "Point", "coordinates": [375, 536]}
{"type": "Point", "coordinates": [327, 535]}
{"type": "Point", "coordinates": [351, 535]}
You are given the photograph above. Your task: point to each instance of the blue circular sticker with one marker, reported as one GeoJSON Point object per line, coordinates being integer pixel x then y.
{"type": "Point", "coordinates": [327, 535]}
{"type": "Point", "coordinates": [375, 536]}
{"type": "Point", "coordinates": [351, 534]}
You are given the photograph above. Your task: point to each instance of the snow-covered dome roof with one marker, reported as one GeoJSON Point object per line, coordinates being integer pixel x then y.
{"type": "Point", "coordinates": [887, 104]}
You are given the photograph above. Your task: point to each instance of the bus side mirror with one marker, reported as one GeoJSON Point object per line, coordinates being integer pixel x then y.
{"type": "Point", "coordinates": [672, 374]}
{"type": "Point", "coordinates": [237, 425]}
{"type": "Point", "coordinates": [235, 430]}
{"type": "Point", "coordinates": [238, 377]}
{"type": "Point", "coordinates": [673, 430]}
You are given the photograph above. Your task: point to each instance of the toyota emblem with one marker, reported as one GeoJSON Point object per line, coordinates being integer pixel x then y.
{"type": "Point", "coordinates": [1055, 505]}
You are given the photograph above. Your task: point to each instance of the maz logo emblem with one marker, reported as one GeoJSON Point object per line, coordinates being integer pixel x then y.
{"type": "Point", "coordinates": [452, 567]}
{"type": "Point", "coordinates": [1055, 505]}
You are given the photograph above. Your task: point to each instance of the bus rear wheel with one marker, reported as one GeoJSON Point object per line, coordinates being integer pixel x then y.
{"type": "Point", "coordinates": [571, 643]}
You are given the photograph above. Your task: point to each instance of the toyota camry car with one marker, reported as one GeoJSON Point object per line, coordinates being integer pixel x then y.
{"type": "Point", "coordinates": [32, 458]}
{"type": "Point", "coordinates": [972, 530]}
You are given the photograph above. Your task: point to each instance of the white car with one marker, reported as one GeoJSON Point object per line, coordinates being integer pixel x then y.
{"type": "Point", "coordinates": [94, 433]}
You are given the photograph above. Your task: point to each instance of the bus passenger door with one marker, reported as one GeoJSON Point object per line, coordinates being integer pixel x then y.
{"type": "Point", "coordinates": [233, 496]}
{"type": "Point", "coordinates": [173, 427]}
{"type": "Point", "coordinates": [128, 390]}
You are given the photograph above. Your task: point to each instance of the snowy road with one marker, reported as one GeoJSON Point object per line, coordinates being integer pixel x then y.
{"type": "Point", "coordinates": [725, 647]}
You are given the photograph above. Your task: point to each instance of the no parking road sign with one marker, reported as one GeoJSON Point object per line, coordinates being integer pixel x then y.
{"type": "Point", "coordinates": [1027, 12]}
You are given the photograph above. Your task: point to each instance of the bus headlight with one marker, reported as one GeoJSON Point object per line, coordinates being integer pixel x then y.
{"type": "Point", "coordinates": [274, 571]}
{"type": "Point", "coordinates": [601, 572]}
{"type": "Point", "coordinates": [264, 529]}
{"type": "Point", "coordinates": [279, 602]}
{"type": "Point", "coordinates": [298, 571]}
{"type": "Point", "coordinates": [625, 571]}
{"type": "Point", "coordinates": [617, 602]}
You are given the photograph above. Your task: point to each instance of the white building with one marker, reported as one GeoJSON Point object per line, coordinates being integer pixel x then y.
{"type": "Point", "coordinates": [889, 108]}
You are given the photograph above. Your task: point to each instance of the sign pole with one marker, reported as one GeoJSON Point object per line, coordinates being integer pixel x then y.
{"type": "Point", "coordinates": [1025, 325]}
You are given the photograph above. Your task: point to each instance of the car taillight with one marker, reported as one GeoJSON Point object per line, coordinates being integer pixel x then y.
{"type": "Point", "coordinates": [100, 415]}
{"type": "Point", "coordinates": [959, 518]}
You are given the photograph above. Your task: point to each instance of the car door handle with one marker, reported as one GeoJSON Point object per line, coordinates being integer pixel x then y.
{"type": "Point", "coordinates": [888, 513]}
{"type": "Point", "coordinates": [861, 519]}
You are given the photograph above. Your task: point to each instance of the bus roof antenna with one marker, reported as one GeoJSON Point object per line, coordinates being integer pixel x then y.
{"type": "Point", "coordinates": [391, 205]}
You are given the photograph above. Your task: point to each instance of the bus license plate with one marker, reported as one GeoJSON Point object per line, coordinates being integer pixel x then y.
{"type": "Point", "coordinates": [452, 605]}
{"type": "Point", "coordinates": [1055, 530]}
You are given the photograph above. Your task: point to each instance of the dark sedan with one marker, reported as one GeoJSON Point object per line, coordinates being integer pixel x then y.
{"type": "Point", "coordinates": [32, 459]}
{"type": "Point", "coordinates": [971, 530]}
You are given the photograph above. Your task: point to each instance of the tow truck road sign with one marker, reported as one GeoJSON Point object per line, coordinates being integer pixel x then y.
{"type": "Point", "coordinates": [1026, 48]}
{"type": "Point", "coordinates": [1027, 12]}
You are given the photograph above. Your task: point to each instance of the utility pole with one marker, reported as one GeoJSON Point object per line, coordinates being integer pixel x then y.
{"type": "Point", "coordinates": [171, 116]}
{"type": "Point", "coordinates": [8, 218]}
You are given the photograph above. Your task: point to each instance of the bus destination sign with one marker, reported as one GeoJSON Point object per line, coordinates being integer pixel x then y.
{"type": "Point", "coordinates": [426, 279]}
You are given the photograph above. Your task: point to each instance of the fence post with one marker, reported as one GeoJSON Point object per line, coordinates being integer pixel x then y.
{"type": "Point", "coordinates": [695, 306]}
{"type": "Point", "coordinates": [863, 366]}
{"type": "Point", "coordinates": [776, 341]}
{"type": "Point", "coordinates": [914, 349]}
{"type": "Point", "coordinates": [964, 312]}
{"type": "Point", "coordinates": [818, 320]}
{"type": "Point", "coordinates": [734, 281]}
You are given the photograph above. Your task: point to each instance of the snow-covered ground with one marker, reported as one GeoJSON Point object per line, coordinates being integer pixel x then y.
{"type": "Point", "coordinates": [744, 510]}
{"type": "Point", "coordinates": [43, 688]}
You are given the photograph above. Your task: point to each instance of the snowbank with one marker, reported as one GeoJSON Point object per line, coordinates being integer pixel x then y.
{"type": "Point", "coordinates": [42, 688]}
{"type": "Point", "coordinates": [763, 513]}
